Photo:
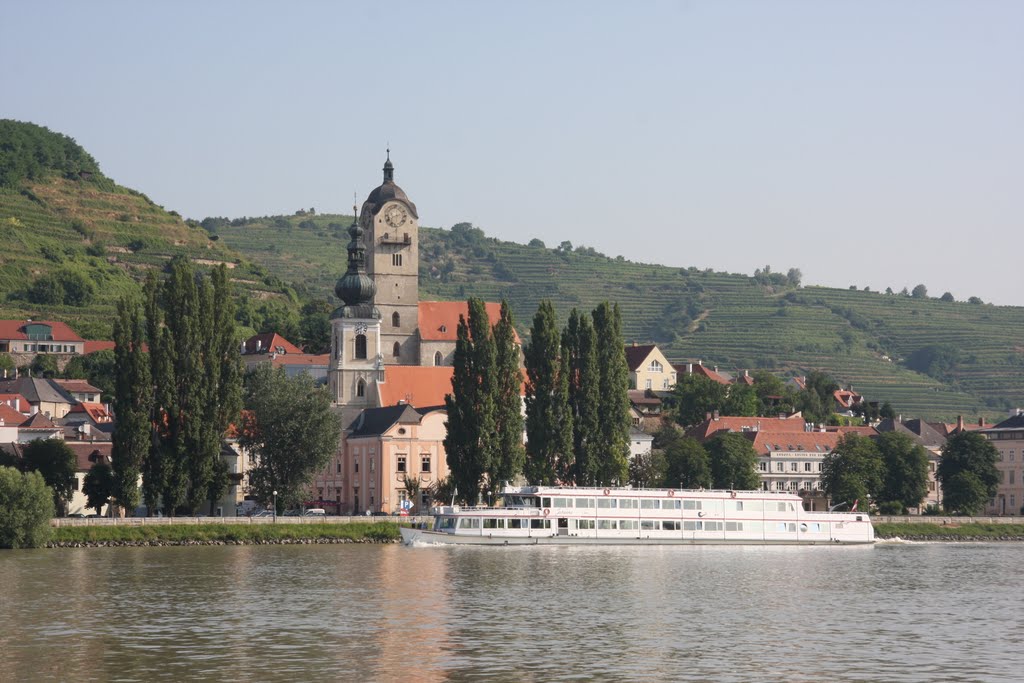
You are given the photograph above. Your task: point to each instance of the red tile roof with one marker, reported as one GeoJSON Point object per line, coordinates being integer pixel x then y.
{"type": "Point", "coordinates": [300, 359]}
{"type": "Point", "coordinates": [698, 369]}
{"type": "Point", "coordinates": [88, 454]}
{"type": "Point", "coordinates": [863, 430]}
{"type": "Point", "coordinates": [97, 412]}
{"type": "Point", "coordinates": [269, 342]}
{"type": "Point", "coordinates": [801, 442]}
{"type": "Point", "coordinates": [79, 386]}
{"type": "Point", "coordinates": [708, 428]}
{"type": "Point", "coordinates": [92, 346]}
{"type": "Point", "coordinates": [636, 354]}
{"type": "Point", "coordinates": [419, 386]}
{"type": "Point", "coordinates": [39, 422]}
{"type": "Point", "coordinates": [439, 320]}
{"type": "Point", "coordinates": [12, 399]}
{"type": "Point", "coordinates": [14, 329]}
{"type": "Point", "coordinates": [10, 416]}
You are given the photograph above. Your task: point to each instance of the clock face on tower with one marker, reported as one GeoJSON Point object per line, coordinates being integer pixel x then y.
{"type": "Point", "coordinates": [395, 216]}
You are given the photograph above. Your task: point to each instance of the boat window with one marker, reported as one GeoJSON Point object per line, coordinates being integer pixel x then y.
{"type": "Point", "coordinates": [540, 523]}
{"type": "Point", "coordinates": [712, 526]}
{"type": "Point", "coordinates": [626, 524]}
{"type": "Point", "coordinates": [780, 507]}
{"type": "Point", "coordinates": [584, 524]}
{"type": "Point", "coordinates": [469, 523]}
{"type": "Point", "coordinates": [444, 523]}
{"type": "Point", "coordinates": [751, 505]}
{"type": "Point", "coordinates": [670, 526]}
{"type": "Point", "coordinates": [737, 505]}
{"type": "Point", "coordinates": [650, 504]}
{"type": "Point", "coordinates": [606, 502]}
{"type": "Point", "coordinates": [516, 523]}
{"type": "Point", "coordinates": [691, 526]}
{"type": "Point", "coordinates": [584, 502]}
{"type": "Point", "coordinates": [492, 523]}
{"type": "Point", "coordinates": [859, 518]}
{"type": "Point", "coordinates": [648, 525]}
{"type": "Point", "coordinates": [562, 502]}
{"type": "Point", "coordinates": [545, 502]}
{"type": "Point", "coordinates": [734, 526]}
{"type": "Point", "coordinates": [671, 504]}
{"type": "Point", "coordinates": [607, 524]}
{"type": "Point", "coordinates": [628, 503]}
{"type": "Point", "coordinates": [791, 507]}
{"type": "Point", "coordinates": [692, 505]}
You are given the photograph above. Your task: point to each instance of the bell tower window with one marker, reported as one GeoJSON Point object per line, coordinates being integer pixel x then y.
{"type": "Point", "coordinates": [438, 358]}
{"type": "Point", "coordinates": [396, 259]}
{"type": "Point", "coordinates": [396, 320]}
{"type": "Point", "coordinates": [360, 388]}
{"type": "Point", "coordinates": [396, 350]}
{"type": "Point", "coordinates": [361, 346]}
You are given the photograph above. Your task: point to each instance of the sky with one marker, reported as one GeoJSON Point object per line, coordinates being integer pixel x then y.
{"type": "Point", "coordinates": [876, 144]}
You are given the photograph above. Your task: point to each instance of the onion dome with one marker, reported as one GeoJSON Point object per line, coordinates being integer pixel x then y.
{"type": "Point", "coordinates": [355, 287]}
{"type": "Point", "coordinates": [386, 192]}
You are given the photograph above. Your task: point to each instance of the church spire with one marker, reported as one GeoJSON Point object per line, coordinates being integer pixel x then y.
{"type": "Point", "coordinates": [389, 168]}
{"type": "Point", "coordinates": [356, 289]}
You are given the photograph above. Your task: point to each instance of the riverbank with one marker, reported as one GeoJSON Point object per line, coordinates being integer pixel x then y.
{"type": "Point", "coordinates": [950, 531]}
{"type": "Point", "coordinates": [223, 534]}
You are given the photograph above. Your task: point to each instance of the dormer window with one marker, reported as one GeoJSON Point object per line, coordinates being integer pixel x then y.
{"type": "Point", "coordinates": [443, 328]}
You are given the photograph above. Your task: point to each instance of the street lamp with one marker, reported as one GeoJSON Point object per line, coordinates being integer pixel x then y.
{"type": "Point", "coordinates": [275, 507]}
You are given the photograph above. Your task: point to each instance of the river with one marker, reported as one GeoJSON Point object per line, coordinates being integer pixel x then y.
{"type": "Point", "coordinates": [892, 612]}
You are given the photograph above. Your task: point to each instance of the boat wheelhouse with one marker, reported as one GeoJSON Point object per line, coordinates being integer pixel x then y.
{"type": "Point", "coordinates": [559, 515]}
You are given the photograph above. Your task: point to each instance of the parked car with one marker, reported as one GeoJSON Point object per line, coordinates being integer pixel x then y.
{"type": "Point", "coordinates": [315, 512]}
{"type": "Point", "coordinates": [264, 513]}
{"type": "Point", "coordinates": [291, 513]}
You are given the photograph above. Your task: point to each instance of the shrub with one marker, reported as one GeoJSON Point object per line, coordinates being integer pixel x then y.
{"type": "Point", "coordinates": [891, 507]}
{"type": "Point", "coordinates": [26, 506]}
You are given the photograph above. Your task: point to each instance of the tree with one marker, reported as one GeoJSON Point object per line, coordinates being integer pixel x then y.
{"type": "Point", "coordinates": [536, 242]}
{"type": "Point", "coordinates": [79, 290]}
{"type": "Point", "coordinates": [647, 470]}
{"type": "Point", "coordinates": [470, 443]}
{"type": "Point", "coordinates": [580, 350]}
{"type": "Point", "coordinates": [509, 455]}
{"type": "Point", "coordinates": [741, 401]}
{"type": "Point", "coordinates": [947, 297]}
{"type": "Point", "coordinates": [919, 292]}
{"type": "Point", "coordinates": [133, 405]}
{"type": "Point", "coordinates": [687, 464]}
{"type": "Point", "coordinates": [975, 300]}
{"type": "Point", "coordinates": [905, 478]}
{"type": "Point", "coordinates": [772, 394]}
{"type": "Point", "coordinates": [290, 430]}
{"type": "Point", "coordinates": [967, 472]}
{"type": "Point", "coordinates": [26, 506]}
{"type": "Point", "coordinates": [887, 412]}
{"type": "Point", "coordinates": [99, 486]}
{"type": "Point", "coordinates": [549, 423]}
{"type": "Point", "coordinates": [442, 491]}
{"type": "Point", "coordinates": [613, 400]}
{"type": "Point", "coordinates": [7, 364]}
{"type": "Point", "coordinates": [794, 276]}
{"type": "Point", "coordinates": [694, 396]}
{"type": "Point", "coordinates": [97, 368]}
{"type": "Point", "coordinates": [47, 290]}
{"type": "Point", "coordinates": [733, 462]}
{"type": "Point", "coordinates": [56, 463]}
{"type": "Point", "coordinates": [44, 365]}
{"type": "Point", "coordinates": [412, 491]}
{"type": "Point", "coordinates": [816, 400]}
{"type": "Point", "coordinates": [853, 471]}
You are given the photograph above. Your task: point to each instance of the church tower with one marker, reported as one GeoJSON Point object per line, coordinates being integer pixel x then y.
{"type": "Point", "coordinates": [356, 361]}
{"type": "Point", "coordinates": [392, 228]}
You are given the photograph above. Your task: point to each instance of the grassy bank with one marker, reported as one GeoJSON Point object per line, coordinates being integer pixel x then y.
{"type": "Point", "coordinates": [951, 532]}
{"type": "Point", "coordinates": [215, 534]}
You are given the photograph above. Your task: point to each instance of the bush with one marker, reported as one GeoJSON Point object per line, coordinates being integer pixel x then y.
{"type": "Point", "coordinates": [891, 507]}
{"type": "Point", "coordinates": [26, 506]}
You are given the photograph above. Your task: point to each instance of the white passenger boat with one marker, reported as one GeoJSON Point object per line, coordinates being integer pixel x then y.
{"type": "Point", "coordinates": [541, 515]}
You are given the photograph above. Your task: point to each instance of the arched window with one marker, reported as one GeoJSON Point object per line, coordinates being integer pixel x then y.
{"type": "Point", "coordinates": [438, 358]}
{"type": "Point", "coordinates": [397, 349]}
{"type": "Point", "coordinates": [360, 388]}
{"type": "Point", "coordinates": [360, 346]}
{"type": "Point", "coordinates": [396, 320]}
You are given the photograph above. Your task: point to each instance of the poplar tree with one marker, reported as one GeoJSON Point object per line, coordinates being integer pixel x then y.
{"type": "Point", "coordinates": [133, 404]}
{"type": "Point", "coordinates": [583, 379]}
{"type": "Point", "coordinates": [549, 444]}
{"type": "Point", "coordinates": [509, 456]}
{"type": "Point", "coordinates": [469, 442]}
{"type": "Point", "coordinates": [613, 411]}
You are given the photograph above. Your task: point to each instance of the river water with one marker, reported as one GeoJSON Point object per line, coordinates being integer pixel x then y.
{"type": "Point", "coordinates": [892, 612]}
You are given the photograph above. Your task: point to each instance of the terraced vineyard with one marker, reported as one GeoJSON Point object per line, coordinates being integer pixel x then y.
{"type": "Point", "coordinates": [728, 320]}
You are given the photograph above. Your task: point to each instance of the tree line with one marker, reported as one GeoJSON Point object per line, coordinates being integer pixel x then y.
{"type": "Point", "coordinates": [576, 407]}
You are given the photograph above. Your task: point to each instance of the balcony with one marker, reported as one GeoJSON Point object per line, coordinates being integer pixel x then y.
{"type": "Point", "coordinates": [388, 238]}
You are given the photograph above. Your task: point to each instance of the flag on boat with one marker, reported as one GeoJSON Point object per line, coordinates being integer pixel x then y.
{"type": "Point", "coordinates": [854, 508]}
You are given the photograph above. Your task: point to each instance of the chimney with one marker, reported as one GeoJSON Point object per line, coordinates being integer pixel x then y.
{"type": "Point", "coordinates": [689, 368]}
{"type": "Point", "coordinates": [35, 409]}
{"type": "Point", "coordinates": [634, 342]}
{"type": "Point", "coordinates": [715, 414]}
{"type": "Point", "coordinates": [959, 423]}
{"type": "Point", "coordinates": [707, 416]}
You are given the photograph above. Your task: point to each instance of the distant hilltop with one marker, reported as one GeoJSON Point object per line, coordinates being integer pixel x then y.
{"type": "Point", "coordinates": [75, 241]}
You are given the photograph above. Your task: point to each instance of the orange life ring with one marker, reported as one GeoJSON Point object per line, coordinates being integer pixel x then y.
{"type": "Point", "coordinates": [732, 493]}
{"type": "Point", "coordinates": [607, 492]}
{"type": "Point", "coordinates": [671, 493]}
{"type": "Point", "coordinates": [547, 511]}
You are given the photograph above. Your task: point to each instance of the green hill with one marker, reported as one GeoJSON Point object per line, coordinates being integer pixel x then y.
{"type": "Point", "coordinates": [930, 358]}
{"type": "Point", "coordinates": [74, 241]}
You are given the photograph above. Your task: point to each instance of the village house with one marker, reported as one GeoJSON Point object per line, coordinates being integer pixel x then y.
{"type": "Point", "coordinates": [45, 396]}
{"type": "Point", "coordinates": [791, 461]}
{"type": "Point", "coordinates": [1008, 438]}
{"type": "Point", "coordinates": [649, 368]}
{"type": "Point", "coordinates": [698, 368]}
{"type": "Point", "coordinates": [24, 339]}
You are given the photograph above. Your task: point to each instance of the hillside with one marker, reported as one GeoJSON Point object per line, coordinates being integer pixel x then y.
{"type": "Point", "coordinates": [930, 358]}
{"type": "Point", "coordinates": [64, 226]}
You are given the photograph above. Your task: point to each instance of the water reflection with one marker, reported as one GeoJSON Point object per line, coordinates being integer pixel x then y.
{"type": "Point", "coordinates": [352, 612]}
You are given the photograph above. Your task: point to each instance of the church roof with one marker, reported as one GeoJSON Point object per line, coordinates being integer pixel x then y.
{"type": "Point", "coordinates": [439, 320]}
{"type": "Point", "coordinates": [386, 192]}
{"type": "Point", "coordinates": [415, 385]}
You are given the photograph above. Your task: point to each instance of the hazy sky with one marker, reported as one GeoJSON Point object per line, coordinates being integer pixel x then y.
{"type": "Point", "coordinates": [869, 143]}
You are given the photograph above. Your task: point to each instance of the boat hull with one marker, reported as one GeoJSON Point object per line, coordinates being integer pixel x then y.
{"type": "Point", "coordinates": [420, 536]}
